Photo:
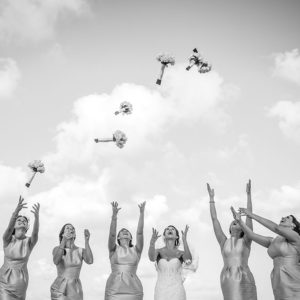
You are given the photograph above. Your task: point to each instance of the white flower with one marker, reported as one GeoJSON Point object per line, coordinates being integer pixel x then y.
{"type": "Point", "coordinates": [166, 59]}
{"type": "Point", "coordinates": [37, 166]}
{"type": "Point", "coordinates": [120, 138]}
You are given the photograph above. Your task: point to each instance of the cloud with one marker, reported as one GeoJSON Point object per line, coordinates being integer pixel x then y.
{"type": "Point", "coordinates": [287, 65]}
{"type": "Point", "coordinates": [9, 77]}
{"type": "Point", "coordinates": [288, 114]}
{"type": "Point", "coordinates": [35, 20]}
{"type": "Point", "coordinates": [186, 100]}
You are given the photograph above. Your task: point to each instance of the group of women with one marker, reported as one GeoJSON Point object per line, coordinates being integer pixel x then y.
{"type": "Point", "coordinates": [237, 281]}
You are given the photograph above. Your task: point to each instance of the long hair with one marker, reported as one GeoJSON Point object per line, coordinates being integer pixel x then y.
{"type": "Point", "coordinates": [130, 242]}
{"type": "Point", "coordinates": [177, 233]}
{"type": "Point", "coordinates": [19, 216]}
{"type": "Point", "coordinates": [62, 231]}
{"type": "Point", "coordinates": [297, 227]}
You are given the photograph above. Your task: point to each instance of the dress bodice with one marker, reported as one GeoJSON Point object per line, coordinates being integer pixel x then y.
{"type": "Point", "coordinates": [125, 256]}
{"type": "Point", "coordinates": [17, 252]}
{"type": "Point", "coordinates": [70, 264]}
{"type": "Point", "coordinates": [235, 252]}
{"type": "Point", "coordinates": [281, 247]}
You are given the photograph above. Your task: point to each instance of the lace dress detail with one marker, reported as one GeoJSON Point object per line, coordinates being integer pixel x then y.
{"type": "Point", "coordinates": [169, 285]}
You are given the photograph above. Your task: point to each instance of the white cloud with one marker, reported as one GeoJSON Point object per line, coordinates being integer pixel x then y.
{"type": "Point", "coordinates": [287, 65]}
{"type": "Point", "coordinates": [187, 98]}
{"type": "Point", "coordinates": [35, 20]}
{"type": "Point", "coordinates": [9, 77]}
{"type": "Point", "coordinates": [288, 114]}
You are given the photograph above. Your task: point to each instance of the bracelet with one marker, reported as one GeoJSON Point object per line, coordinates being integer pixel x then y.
{"type": "Point", "coordinates": [211, 201]}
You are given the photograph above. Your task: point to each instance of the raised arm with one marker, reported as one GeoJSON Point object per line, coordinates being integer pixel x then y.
{"type": "Point", "coordinates": [221, 237]}
{"type": "Point", "coordinates": [264, 241]}
{"type": "Point", "coordinates": [113, 228]}
{"type": "Point", "coordinates": [35, 231]}
{"type": "Point", "coordinates": [287, 233]}
{"type": "Point", "coordinates": [87, 252]}
{"type": "Point", "coordinates": [249, 221]}
{"type": "Point", "coordinates": [11, 225]}
{"type": "Point", "coordinates": [59, 251]}
{"type": "Point", "coordinates": [187, 256]}
{"type": "Point", "coordinates": [152, 252]}
{"type": "Point", "coordinates": [140, 229]}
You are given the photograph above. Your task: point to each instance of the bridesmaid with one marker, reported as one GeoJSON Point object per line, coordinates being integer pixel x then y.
{"type": "Point", "coordinates": [17, 249]}
{"type": "Point", "coordinates": [237, 281]}
{"type": "Point", "coordinates": [123, 283]}
{"type": "Point", "coordinates": [283, 249]}
{"type": "Point", "coordinates": [68, 260]}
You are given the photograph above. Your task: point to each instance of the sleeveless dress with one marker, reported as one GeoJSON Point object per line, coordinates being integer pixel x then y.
{"type": "Point", "coordinates": [285, 276]}
{"type": "Point", "coordinates": [14, 273]}
{"type": "Point", "coordinates": [237, 281]}
{"type": "Point", "coordinates": [67, 285]}
{"type": "Point", "coordinates": [169, 285]}
{"type": "Point", "coordinates": [123, 283]}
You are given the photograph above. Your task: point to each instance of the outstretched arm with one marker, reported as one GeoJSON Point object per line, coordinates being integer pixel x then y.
{"type": "Point", "coordinates": [35, 232]}
{"type": "Point", "coordinates": [287, 233]}
{"type": "Point", "coordinates": [187, 256]}
{"type": "Point", "coordinates": [113, 228]}
{"type": "Point", "coordinates": [140, 229]}
{"type": "Point", "coordinates": [221, 237]}
{"type": "Point", "coordinates": [249, 221]}
{"type": "Point", "coordinates": [87, 252]}
{"type": "Point", "coordinates": [260, 239]}
{"type": "Point", "coordinates": [152, 252]}
{"type": "Point", "coordinates": [11, 225]}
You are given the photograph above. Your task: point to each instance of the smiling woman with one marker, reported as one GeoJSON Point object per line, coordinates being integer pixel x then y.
{"type": "Point", "coordinates": [17, 249]}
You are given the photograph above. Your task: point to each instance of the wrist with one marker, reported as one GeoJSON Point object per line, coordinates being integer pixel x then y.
{"type": "Point", "coordinates": [211, 201]}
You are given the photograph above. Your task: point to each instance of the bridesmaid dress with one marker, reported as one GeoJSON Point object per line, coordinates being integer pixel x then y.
{"type": "Point", "coordinates": [14, 273]}
{"type": "Point", "coordinates": [123, 283]}
{"type": "Point", "coordinates": [237, 281]}
{"type": "Point", "coordinates": [285, 276]}
{"type": "Point", "coordinates": [169, 285]}
{"type": "Point", "coordinates": [67, 285]}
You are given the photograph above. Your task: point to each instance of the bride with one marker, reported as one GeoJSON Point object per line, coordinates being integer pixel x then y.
{"type": "Point", "coordinates": [169, 260]}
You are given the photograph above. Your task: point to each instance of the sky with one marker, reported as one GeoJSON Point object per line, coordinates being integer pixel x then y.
{"type": "Point", "coordinates": [65, 67]}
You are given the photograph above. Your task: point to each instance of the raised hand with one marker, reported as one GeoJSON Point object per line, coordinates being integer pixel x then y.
{"type": "Point", "coordinates": [142, 207]}
{"type": "Point", "coordinates": [248, 187]}
{"type": "Point", "coordinates": [235, 214]}
{"type": "Point", "coordinates": [184, 233]}
{"type": "Point", "coordinates": [155, 235]}
{"type": "Point", "coordinates": [20, 205]}
{"type": "Point", "coordinates": [211, 192]}
{"type": "Point", "coordinates": [245, 212]}
{"type": "Point", "coordinates": [86, 235]}
{"type": "Point", "coordinates": [115, 208]}
{"type": "Point", "coordinates": [36, 210]}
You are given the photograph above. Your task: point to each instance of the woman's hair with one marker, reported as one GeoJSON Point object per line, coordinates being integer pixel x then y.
{"type": "Point", "coordinates": [297, 227]}
{"type": "Point", "coordinates": [130, 242]}
{"type": "Point", "coordinates": [241, 235]}
{"type": "Point", "coordinates": [20, 216]}
{"type": "Point", "coordinates": [177, 233]}
{"type": "Point", "coordinates": [61, 233]}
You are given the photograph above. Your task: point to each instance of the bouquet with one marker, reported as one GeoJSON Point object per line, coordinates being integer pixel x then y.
{"type": "Point", "coordinates": [125, 108]}
{"type": "Point", "coordinates": [118, 137]}
{"type": "Point", "coordinates": [205, 67]}
{"type": "Point", "coordinates": [194, 59]}
{"type": "Point", "coordinates": [165, 60]}
{"type": "Point", "coordinates": [36, 167]}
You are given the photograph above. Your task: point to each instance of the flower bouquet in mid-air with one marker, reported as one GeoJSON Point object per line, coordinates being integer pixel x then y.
{"type": "Point", "coordinates": [118, 137]}
{"type": "Point", "coordinates": [197, 60]}
{"type": "Point", "coordinates": [125, 108]}
{"type": "Point", "coordinates": [165, 60]}
{"type": "Point", "coordinates": [36, 167]}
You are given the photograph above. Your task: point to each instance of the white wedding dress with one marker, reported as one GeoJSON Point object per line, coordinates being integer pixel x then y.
{"type": "Point", "coordinates": [169, 285]}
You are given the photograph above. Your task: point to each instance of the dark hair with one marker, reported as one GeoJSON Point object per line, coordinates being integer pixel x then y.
{"type": "Point", "coordinates": [19, 216]}
{"type": "Point", "coordinates": [61, 233]}
{"type": "Point", "coordinates": [130, 242]}
{"type": "Point", "coordinates": [297, 227]}
{"type": "Point", "coordinates": [241, 235]}
{"type": "Point", "coordinates": [177, 233]}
